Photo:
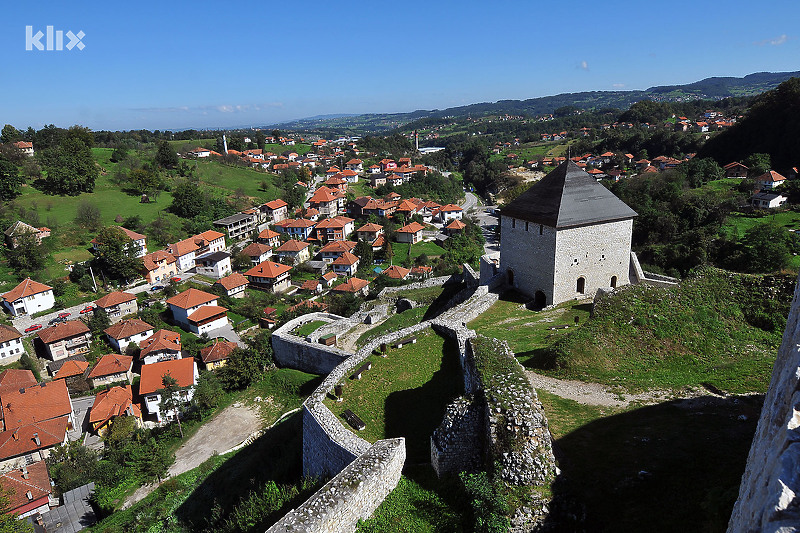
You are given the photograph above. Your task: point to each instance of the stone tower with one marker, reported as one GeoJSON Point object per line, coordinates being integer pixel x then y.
{"type": "Point", "coordinates": [566, 237]}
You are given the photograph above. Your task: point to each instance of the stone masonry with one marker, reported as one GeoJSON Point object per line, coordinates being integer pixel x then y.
{"type": "Point", "coordinates": [769, 496]}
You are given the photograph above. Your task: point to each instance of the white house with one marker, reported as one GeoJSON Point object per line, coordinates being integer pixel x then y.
{"type": "Point", "coordinates": [11, 347]}
{"type": "Point", "coordinates": [139, 241]}
{"type": "Point", "coordinates": [29, 297]}
{"type": "Point", "coordinates": [450, 212]}
{"type": "Point", "coordinates": [163, 345]}
{"type": "Point", "coordinates": [183, 371]}
{"type": "Point", "coordinates": [234, 285]}
{"type": "Point", "coordinates": [121, 334]}
{"type": "Point", "coordinates": [197, 311]}
{"type": "Point", "coordinates": [767, 200]}
{"type": "Point", "coordinates": [214, 265]}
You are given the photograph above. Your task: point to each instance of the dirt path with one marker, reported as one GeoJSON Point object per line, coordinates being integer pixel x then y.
{"type": "Point", "coordinates": [347, 342]}
{"type": "Point", "coordinates": [597, 394]}
{"type": "Point", "coordinates": [227, 429]}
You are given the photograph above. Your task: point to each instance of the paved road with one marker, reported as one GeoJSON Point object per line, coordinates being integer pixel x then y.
{"type": "Point", "coordinates": [229, 428]}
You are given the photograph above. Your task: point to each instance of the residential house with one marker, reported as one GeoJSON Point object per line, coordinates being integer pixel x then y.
{"type": "Point", "coordinates": [18, 228]}
{"type": "Point", "coordinates": [239, 225]}
{"type": "Point", "coordinates": [110, 404]}
{"type": "Point", "coordinates": [34, 420]}
{"type": "Point", "coordinates": [159, 266]}
{"type": "Point", "coordinates": [11, 347]}
{"type": "Point", "coordinates": [352, 286]}
{"type": "Point", "coordinates": [183, 371]}
{"type": "Point", "coordinates": [335, 229]}
{"type": "Point", "coordinates": [186, 250]}
{"type": "Point", "coordinates": [139, 241]}
{"type": "Point", "coordinates": [216, 355]}
{"type": "Point", "coordinates": [334, 249]}
{"type": "Point", "coordinates": [326, 201]}
{"type": "Point", "coordinates": [163, 345]}
{"type": "Point", "coordinates": [275, 211]}
{"type": "Point", "coordinates": [735, 170]}
{"type": "Point", "coordinates": [374, 169]}
{"type": "Point", "coordinates": [200, 152]}
{"type": "Point", "coordinates": [767, 200]}
{"type": "Point", "coordinates": [336, 182]}
{"type": "Point", "coordinates": [15, 379]}
{"type": "Point", "coordinates": [380, 208]}
{"type": "Point", "coordinates": [356, 165]}
{"type": "Point", "coordinates": [396, 272]}
{"type": "Point", "coordinates": [121, 334]}
{"type": "Point", "coordinates": [327, 280]}
{"type": "Point", "coordinates": [450, 212]}
{"type": "Point", "coordinates": [25, 146]}
{"type": "Point", "coordinates": [111, 368]}
{"type": "Point", "coordinates": [269, 237]}
{"type": "Point", "coordinates": [354, 207]}
{"type": "Point", "coordinates": [410, 233]}
{"type": "Point", "coordinates": [258, 252]}
{"type": "Point", "coordinates": [369, 232]}
{"type": "Point", "coordinates": [294, 252]}
{"type": "Point", "coordinates": [233, 285]}
{"type": "Point", "coordinates": [421, 272]}
{"type": "Point", "coordinates": [66, 339]}
{"type": "Point", "coordinates": [270, 276]}
{"type": "Point", "coordinates": [300, 228]}
{"type": "Point", "coordinates": [408, 208]}
{"type": "Point", "coordinates": [197, 311]}
{"type": "Point", "coordinates": [312, 285]}
{"type": "Point", "coordinates": [28, 490]}
{"type": "Point", "coordinates": [346, 264]}
{"type": "Point", "coordinates": [29, 297]}
{"type": "Point", "coordinates": [71, 370]}
{"type": "Point", "coordinates": [214, 264]}
{"type": "Point", "coordinates": [117, 305]}
{"type": "Point", "coordinates": [769, 180]}
{"type": "Point", "coordinates": [456, 227]}
{"type": "Point", "coordinates": [350, 176]}
{"type": "Point", "coordinates": [377, 179]}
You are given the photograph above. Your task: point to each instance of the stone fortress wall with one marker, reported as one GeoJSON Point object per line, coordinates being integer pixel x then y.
{"type": "Point", "coordinates": [769, 496]}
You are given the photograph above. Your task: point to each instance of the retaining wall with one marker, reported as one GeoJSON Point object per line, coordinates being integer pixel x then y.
{"type": "Point", "coordinates": [296, 352]}
{"type": "Point", "coordinates": [352, 495]}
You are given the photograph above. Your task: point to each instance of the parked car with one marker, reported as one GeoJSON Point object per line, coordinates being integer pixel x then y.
{"type": "Point", "coordinates": [63, 314]}
{"type": "Point", "coordinates": [56, 320]}
{"type": "Point", "coordinates": [155, 288]}
{"type": "Point", "coordinates": [87, 309]}
{"type": "Point", "coordinates": [176, 279]}
{"type": "Point", "coordinates": [33, 327]}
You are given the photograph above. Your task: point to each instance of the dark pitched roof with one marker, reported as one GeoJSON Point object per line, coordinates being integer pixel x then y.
{"type": "Point", "coordinates": [568, 197]}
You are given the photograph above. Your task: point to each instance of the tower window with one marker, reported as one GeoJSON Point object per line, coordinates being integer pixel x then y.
{"type": "Point", "coordinates": [541, 229]}
{"type": "Point", "coordinates": [580, 286]}
{"type": "Point", "coordinates": [513, 223]}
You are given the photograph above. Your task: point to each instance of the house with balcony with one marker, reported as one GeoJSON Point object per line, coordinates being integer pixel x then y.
{"type": "Point", "coordinates": [111, 368]}
{"type": "Point", "coordinates": [159, 266]}
{"type": "Point", "coordinates": [294, 252]}
{"type": "Point", "coordinates": [214, 264]}
{"type": "Point", "coordinates": [335, 229]}
{"type": "Point", "coordinates": [163, 345]}
{"type": "Point", "coordinates": [117, 305]}
{"type": "Point", "coordinates": [410, 233]}
{"type": "Point", "coordinates": [269, 237]}
{"type": "Point", "coordinates": [239, 225]}
{"type": "Point", "coordinates": [187, 250]}
{"type": "Point", "coordinates": [183, 371]}
{"type": "Point", "coordinates": [197, 311]}
{"type": "Point", "coordinates": [121, 334]}
{"type": "Point", "coordinates": [326, 201]}
{"type": "Point", "coordinates": [29, 297]}
{"type": "Point", "coordinates": [258, 252]}
{"type": "Point", "coordinates": [369, 232]}
{"type": "Point", "coordinates": [333, 250]}
{"type": "Point", "coordinates": [300, 228]}
{"type": "Point", "coordinates": [275, 211]}
{"type": "Point", "coordinates": [346, 264]}
{"type": "Point", "coordinates": [269, 276]}
{"type": "Point", "coordinates": [66, 339]}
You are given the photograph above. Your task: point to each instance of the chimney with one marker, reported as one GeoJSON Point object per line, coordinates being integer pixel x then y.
{"type": "Point", "coordinates": [15, 435]}
{"type": "Point", "coordinates": [22, 391]}
{"type": "Point", "coordinates": [36, 439]}
{"type": "Point", "coordinates": [24, 470]}
{"type": "Point", "coordinates": [29, 495]}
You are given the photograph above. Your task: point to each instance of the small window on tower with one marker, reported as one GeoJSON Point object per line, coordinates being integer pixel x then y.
{"type": "Point", "coordinates": [541, 229]}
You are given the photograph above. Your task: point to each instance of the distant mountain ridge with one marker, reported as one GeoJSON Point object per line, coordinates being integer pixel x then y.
{"type": "Point", "coordinates": [714, 88]}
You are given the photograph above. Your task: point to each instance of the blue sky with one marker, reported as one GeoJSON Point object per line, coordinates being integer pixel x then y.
{"type": "Point", "coordinates": [177, 65]}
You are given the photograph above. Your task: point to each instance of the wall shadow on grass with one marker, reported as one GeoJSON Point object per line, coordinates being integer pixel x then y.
{"type": "Point", "coordinates": [670, 467]}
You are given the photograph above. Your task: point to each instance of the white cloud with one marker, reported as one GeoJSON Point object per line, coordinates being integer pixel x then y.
{"type": "Point", "coordinates": [618, 85]}
{"type": "Point", "coordinates": [584, 65]}
{"type": "Point", "coordinates": [775, 41]}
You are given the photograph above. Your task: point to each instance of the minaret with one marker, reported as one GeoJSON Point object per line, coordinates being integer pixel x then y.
{"type": "Point", "coordinates": [224, 144]}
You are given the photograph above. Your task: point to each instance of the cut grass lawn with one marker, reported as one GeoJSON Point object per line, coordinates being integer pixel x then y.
{"type": "Point", "coordinates": [282, 390]}
{"type": "Point", "coordinates": [309, 327]}
{"type": "Point", "coordinates": [527, 332]}
{"type": "Point", "coordinates": [429, 248]}
{"type": "Point", "coordinates": [678, 462]}
{"type": "Point", "coordinates": [404, 395]}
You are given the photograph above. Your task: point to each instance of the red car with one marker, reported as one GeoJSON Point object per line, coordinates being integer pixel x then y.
{"type": "Point", "coordinates": [175, 280]}
{"type": "Point", "coordinates": [34, 327]}
{"type": "Point", "coordinates": [63, 314]}
{"type": "Point", "coordinates": [87, 309]}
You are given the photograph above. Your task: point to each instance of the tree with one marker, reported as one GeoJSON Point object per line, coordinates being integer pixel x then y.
{"type": "Point", "coordinates": [10, 180]}
{"type": "Point", "coordinates": [208, 392]}
{"type": "Point", "coordinates": [10, 134]}
{"type": "Point", "coordinates": [188, 200]}
{"type": "Point", "coordinates": [9, 523]}
{"type": "Point", "coordinates": [145, 181]}
{"type": "Point", "coordinates": [156, 461]}
{"type": "Point", "coordinates": [171, 402]}
{"type": "Point", "coordinates": [115, 254]}
{"type": "Point", "coordinates": [757, 164]}
{"type": "Point", "coordinates": [70, 167]}
{"type": "Point", "coordinates": [88, 215]}
{"type": "Point", "coordinates": [28, 255]}
{"type": "Point", "coordinates": [166, 156]}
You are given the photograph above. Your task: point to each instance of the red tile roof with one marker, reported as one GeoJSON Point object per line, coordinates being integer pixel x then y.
{"type": "Point", "coordinates": [292, 245]}
{"type": "Point", "coordinates": [111, 363]}
{"type": "Point", "coordinates": [62, 331]}
{"type": "Point", "coordinates": [256, 249]}
{"type": "Point", "coordinates": [22, 439]}
{"type": "Point", "coordinates": [114, 298]}
{"type": "Point", "coordinates": [37, 403]}
{"type": "Point", "coordinates": [351, 285]}
{"type": "Point", "coordinates": [150, 261]}
{"type": "Point", "coordinates": [338, 247]}
{"type": "Point", "coordinates": [234, 280]}
{"type": "Point", "coordinates": [8, 333]}
{"type": "Point", "coordinates": [191, 298]}
{"type": "Point", "coordinates": [450, 207]}
{"type": "Point", "coordinates": [161, 340]}
{"type": "Point", "coordinates": [346, 259]}
{"type": "Point", "coordinates": [15, 379]}
{"type": "Point", "coordinates": [71, 368]}
{"type": "Point", "coordinates": [411, 228]}
{"type": "Point", "coordinates": [28, 287]}
{"type": "Point", "coordinates": [770, 177]}
{"type": "Point", "coordinates": [276, 204]}
{"type": "Point", "coordinates": [268, 269]}
{"type": "Point", "coordinates": [116, 401]}
{"type": "Point", "coordinates": [397, 272]}
{"type": "Point", "coordinates": [182, 370]}
{"type": "Point", "coordinates": [456, 224]}
{"type": "Point", "coordinates": [268, 234]}
{"type": "Point", "coordinates": [207, 311]}
{"type": "Point", "coordinates": [370, 227]}
{"type": "Point", "coordinates": [127, 328]}
{"type": "Point", "coordinates": [218, 351]}
{"type": "Point", "coordinates": [18, 485]}
{"type": "Point", "coordinates": [323, 195]}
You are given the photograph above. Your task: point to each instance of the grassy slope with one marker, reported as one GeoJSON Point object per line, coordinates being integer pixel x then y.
{"type": "Point", "coordinates": [405, 394]}
{"type": "Point", "coordinates": [697, 333]}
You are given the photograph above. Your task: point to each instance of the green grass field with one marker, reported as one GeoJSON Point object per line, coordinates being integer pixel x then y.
{"type": "Point", "coordinates": [404, 395]}
{"type": "Point", "coordinates": [738, 224]}
{"type": "Point", "coordinates": [308, 328]}
{"type": "Point", "coordinates": [429, 248]}
{"type": "Point", "coordinates": [528, 332]}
